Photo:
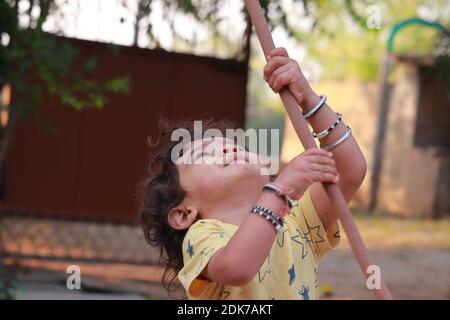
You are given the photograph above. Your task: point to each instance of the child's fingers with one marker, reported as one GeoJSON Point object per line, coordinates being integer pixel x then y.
{"type": "Point", "coordinates": [323, 168]}
{"type": "Point", "coordinates": [328, 177]}
{"type": "Point", "coordinates": [273, 64]}
{"type": "Point", "coordinates": [279, 78]}
{"type": "Point", "coordinates": [319, 152]}
{"type": "Point", "coordinates": [312, 152]}
{"type": "Point", "coordinates": [282, 80]}
{"type": "Point", "coordinates": [277, 72]}
{"type": "Point", "coordinates": [278, 52]}
{"type": "Point", "coordinates": [321, 160]}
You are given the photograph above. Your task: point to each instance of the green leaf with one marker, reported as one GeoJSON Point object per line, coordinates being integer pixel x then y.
{"type": "Point", "coordinates": [99, 101]}
{"type": "Point", "coordinates": [90, 64]}
{"type": "Point", "coordinates": [118, 85]}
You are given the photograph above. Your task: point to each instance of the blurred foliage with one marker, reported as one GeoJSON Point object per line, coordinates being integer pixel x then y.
{"type": "Point", "coordinates": [36, 64]}
{"type": "Point", "coordinates": [349, 50]}
{"type": "Point", "coordinates": [338, 34]}
{"type": "Point", "coordinates": [341, 38]}
{"type": "Point", "coordinates": [9, 289]}
{"type": "Point", "coordinates": [207, 15]}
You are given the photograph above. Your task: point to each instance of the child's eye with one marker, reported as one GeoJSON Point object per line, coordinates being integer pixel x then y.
{"type": "Point", "coordinates": [204, 154]}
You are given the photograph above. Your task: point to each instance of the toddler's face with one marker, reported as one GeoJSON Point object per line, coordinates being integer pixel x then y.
{"type": "Point", "coordinates": [213, 168]}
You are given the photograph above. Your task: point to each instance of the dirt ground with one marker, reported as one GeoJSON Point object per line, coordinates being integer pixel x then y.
{"type": "Point", "coordinates": [414, 256]}
{"type": "Point", "coordinates": [409, 274]}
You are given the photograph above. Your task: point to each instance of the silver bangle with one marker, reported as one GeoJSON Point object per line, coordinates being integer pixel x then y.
{"type": "Point", "coordinates": [278, 191]}
{"type": "Point", "coordinates": [322, 134]}
{"type": "Point", "coordinates": [339, 141]}
{"type": "Point", "coordinates": [320, 104]}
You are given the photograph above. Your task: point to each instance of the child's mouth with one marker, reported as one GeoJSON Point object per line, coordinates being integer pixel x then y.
{"type": "Point", "coordinates": [236, 159]}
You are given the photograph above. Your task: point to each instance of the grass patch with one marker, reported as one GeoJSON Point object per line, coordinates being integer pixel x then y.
{"type": "Point", "coordinates": [381, 231]}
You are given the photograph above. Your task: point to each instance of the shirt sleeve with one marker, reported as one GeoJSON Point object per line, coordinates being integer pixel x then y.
{"type": "Point", "coordinates": [202, 240]}
{"type": "Point", "coordinates": [306, 217]}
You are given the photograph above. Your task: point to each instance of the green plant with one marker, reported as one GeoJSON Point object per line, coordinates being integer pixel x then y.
{"type": "Point", "coordinates": [35, 64]}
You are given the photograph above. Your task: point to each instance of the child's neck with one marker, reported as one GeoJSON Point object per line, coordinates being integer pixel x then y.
{"type": "Point", "coordinates": [234, 209]}
{"type": "Point", "coordinates": [234, 215]}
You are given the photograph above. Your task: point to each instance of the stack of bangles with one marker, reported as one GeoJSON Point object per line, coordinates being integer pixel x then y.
{"type": "Point", "coordinates": [324, 133]}
{"type": "Point", "coordinates": [269, 215]}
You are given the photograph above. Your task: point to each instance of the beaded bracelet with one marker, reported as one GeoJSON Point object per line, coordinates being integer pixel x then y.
{"type": "Point", "coordinates": [320, 104]}
{"type": "Point", "coordinates": [339, 141]}
{"type": "Point", "coordinates": [269, 215]}
{"type": "Point", "coordinates": [322, 134]}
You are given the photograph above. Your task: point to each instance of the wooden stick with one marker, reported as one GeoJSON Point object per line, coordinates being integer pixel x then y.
{"type": "Point", "coordinates": [340, 206]}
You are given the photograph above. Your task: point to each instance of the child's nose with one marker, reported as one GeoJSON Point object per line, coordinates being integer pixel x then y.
{"type": "Point", "coordinates": [229, 149]}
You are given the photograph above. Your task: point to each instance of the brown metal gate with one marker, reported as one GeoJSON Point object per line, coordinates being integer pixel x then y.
{"type": "Point", "coordinates": [90, 170]}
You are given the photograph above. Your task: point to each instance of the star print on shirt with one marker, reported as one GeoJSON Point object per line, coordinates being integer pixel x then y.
{"type": "Point", "coordinates": [217, 234]}
{"type": "Point", "coordinates": [337, 235]}
{"type": "Point", "coordinates": [292, 211]}
{"type": "Point", "coordinates": [281, 235]}
{"type": "Point", "coordinates": [262, 275]}
{"type": "Point", "coordinates": [204, 256]}
{"type": "Point", "coordinates": [302, 241]}
{"type": "Point", "coordinates": [224, 295]}
{"type": "Point", "coordinates": [291, 272]}
{"type": "Point", "coordinates": [264, 271]}
{"type": "Point", "coordinates": [316, 279]}
{"type": "Point", "coordinates": [304, 292]}
{"type": "Point", "coordinates": [190, 249]}
{"type": "Point", "coordinates": [316, 237]}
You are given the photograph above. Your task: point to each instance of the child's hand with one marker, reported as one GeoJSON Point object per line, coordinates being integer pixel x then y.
{"type": "Point", "coordinates": [313, 165]}
{"type": "Point", "coordinates": [281, 71]}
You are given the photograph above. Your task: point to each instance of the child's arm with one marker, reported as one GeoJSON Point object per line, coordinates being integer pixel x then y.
{"type": "Point", "coordinates": [282, 71]}
{"type": "Point", "coordinates": [239, 261]}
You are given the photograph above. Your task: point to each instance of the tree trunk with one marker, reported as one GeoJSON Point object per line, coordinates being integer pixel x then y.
{"type": "Point", "coordinates": [378, 154]}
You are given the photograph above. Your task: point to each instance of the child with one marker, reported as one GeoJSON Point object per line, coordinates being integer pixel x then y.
{"type": "Point", "coordinates": [229, 232]}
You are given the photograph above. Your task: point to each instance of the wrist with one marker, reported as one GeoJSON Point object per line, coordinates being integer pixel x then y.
{"type": "Point", "coordinates": [280, 191]}
{"type": "Point", "coordinates": [309, 101]}
{"type": "Point", "coordinates": [282, 183]}
{"type": "Point", "coordinates": [297, 189]}
{"type": "Point", "coordinates": [271, 201]}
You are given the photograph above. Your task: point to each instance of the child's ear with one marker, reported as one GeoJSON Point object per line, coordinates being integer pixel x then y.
{"type": "Point", "coordinates": [181, 218]}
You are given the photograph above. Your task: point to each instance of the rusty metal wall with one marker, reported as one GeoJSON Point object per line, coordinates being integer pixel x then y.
{"type": "Point", "coordinates": [91, 169]}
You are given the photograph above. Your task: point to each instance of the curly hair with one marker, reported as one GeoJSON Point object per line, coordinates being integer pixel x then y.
{"type": "Point", "coordinates": [161, 191]}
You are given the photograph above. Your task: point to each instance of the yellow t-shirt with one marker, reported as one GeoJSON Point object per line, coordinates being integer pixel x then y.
{"type": "Point", "coordinates": [289, 272]}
